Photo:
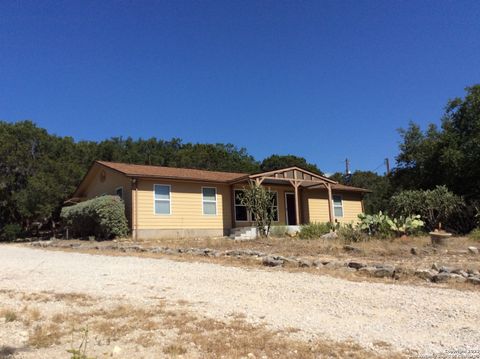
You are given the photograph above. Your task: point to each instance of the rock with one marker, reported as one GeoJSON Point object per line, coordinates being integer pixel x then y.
{"type": "Point", "coordinates": [350, 248]}
{"type": "Point", "coordinates": [356, 265]}
{"type": "Point", "coordinates": [271, 262]}
{"type": "Point", "coordinates": [425, 273]}
{"type": "Point", "coordinates": [367, 270]}
{"type": "Point", "coordinates": [317, 263]}
{"type": "Point", "coordinates": [444, 277]}
{"type": "Point", "coordinates": [474, 280]}
{"type": "Point", "coordinates": [331, 235]}
{"type": "Point", "coordinates": [414, 251]}
{"type": "Point", "coordinates": [435, 267]}
{"type": "Point", "coordinates": [334, 265]}
{"type": "Point", "coordinates": [473, 250]}
{"type": "Point", "coordinates": [304, 263]}
{"type": "Point", "coordinates": [384, 271]}
{"type": "Point", "coordinates": [444, 269]}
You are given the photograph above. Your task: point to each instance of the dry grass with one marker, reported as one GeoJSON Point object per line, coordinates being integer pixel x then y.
{"type": "Point", "coordinates": [9, 315]}
{"type": "Point", "coordinates": [164, 327]}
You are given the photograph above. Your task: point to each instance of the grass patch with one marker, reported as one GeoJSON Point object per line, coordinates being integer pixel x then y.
{"type": "Point", "coordinates": [43, 336]}
{"type": "Point", "coordinates": [9, 315]}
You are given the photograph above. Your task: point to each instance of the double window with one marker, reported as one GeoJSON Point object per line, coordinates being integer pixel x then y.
{"type": "Point", "coordinates": [162, 199]}
{"type": "Point", "coordinates": [209, 200]}
{"type": "Point", "coordinates": [241, 212]}
{"type": "Point", "coordinates": [337, 206]}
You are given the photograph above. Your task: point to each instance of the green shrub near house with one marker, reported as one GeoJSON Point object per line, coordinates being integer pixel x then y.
{"type": "Point", "coordinates": [102, 217]}
{"type": "Point", "coordinates": [10, 232]}
{"type": "Point", "coordinates": [314, 230]}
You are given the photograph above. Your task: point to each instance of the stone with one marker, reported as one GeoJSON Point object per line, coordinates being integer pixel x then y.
{"type": "Point", "coordinates": [384, 271]}
{"type": "Point", "coordinates": [444, 277]}
{"type": "Point", "coordinates": [334, 265]}
{"type": "Point", "coordinates": [271, 262]}
{"type": "Point", "coordinates": [414, 251]}
{"type": "Point", "coordinates": [444, 269]}
{"type": "Point", "coordinates": [356, 265]}
{"type": "Point", "coordinates": [435, 267]}
{"type": "Point", "coordinates": [367, 270]}
{"type": "Point", "coordinates": [331, 235]}
{"type": "Point", "coordinates": [473, 250]}
{"type": "Point", "coordinates": [474, 280]}
{"type": "Point", "coordinates": [304, 263]}
{"type": "Point", "coordinates": [317, 263]}
{"type": "Point", "coordinates": [350, 248]}
{"type": "Point", "coordinates": [425, 273]}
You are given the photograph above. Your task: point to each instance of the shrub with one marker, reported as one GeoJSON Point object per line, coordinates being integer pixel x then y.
{"type": "Point", "coordinates": [350, 233]}
{"type": "Point", "coordinates": [375, 224]}
{"type": "Point", "coordinates": [103, 217]}
{"type": "Point", "coordinates": [10, 232]}
{"type": "Point", "coordinates": [278, 231]}
{"type": "Point", "coordinates": [314, 230]}
{"type": "Point", "coordinates": [434, 206]}
{"type": "Point", "coordinates": [475, 234]}
{"type": "Point", "coordinates": [405, 226]}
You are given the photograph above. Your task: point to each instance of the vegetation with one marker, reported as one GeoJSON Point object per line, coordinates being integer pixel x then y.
{"type": "Point", "coordinates": [260, 204]}
{"type": "Point", "coordinates": [103, 217]}
{"type": "Point", "coordinates": [275, 162]}
{"type": "Point", "coordinates": [314, 230]}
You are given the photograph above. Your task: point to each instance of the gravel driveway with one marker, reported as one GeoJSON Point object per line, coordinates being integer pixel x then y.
{"type": "Point", "coordinates": [407, 317]}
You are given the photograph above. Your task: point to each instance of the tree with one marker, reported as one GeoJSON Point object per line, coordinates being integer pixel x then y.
{"type": "Point", "coordinates": [275, 162]}
{"type": "Point", "coordinates": [380, 186]}
{"type": "Point", "coordinates": [260, 203]}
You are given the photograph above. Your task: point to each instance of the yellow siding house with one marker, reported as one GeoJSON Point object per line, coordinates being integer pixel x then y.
{"type": "Point", "coordinates": [179, 202]}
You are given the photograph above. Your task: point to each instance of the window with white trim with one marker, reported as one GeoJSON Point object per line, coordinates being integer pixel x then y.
{"type": "Point", "coordinates": [241, 212]}
{"type": "Point", "coordinates": [209, 199]}
{"type": "Point", "coordinates": [337, 206]}
{"type": "Point", "coordinates": [162, 199]}
{"type": "Point", "coordinates": [119, 192]}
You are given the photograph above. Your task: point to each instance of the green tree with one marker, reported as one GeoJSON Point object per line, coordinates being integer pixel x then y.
{"type": "Point", "coordinates": [275, 162]}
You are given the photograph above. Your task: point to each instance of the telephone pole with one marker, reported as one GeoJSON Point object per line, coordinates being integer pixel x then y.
{"type": "Point", "coordinates": [387, 164]}
{"type": "Point", "coordinates": [347, 167]}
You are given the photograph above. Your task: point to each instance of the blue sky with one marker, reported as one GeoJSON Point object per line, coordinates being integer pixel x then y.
{"type": "Point", "coordinates": [321, 79]}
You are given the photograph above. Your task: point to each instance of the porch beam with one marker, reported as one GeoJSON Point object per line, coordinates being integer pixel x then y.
{"type": "Point", "coordinates": [330, 203]}
{"type": "Point", "coordinates": [316, 181]}
{"type": "Point", "coordinates": [295, 185]}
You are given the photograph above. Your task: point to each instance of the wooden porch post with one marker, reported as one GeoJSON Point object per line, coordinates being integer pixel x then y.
{"type": "Point", "coordinates": [297, 204]}
{"type": "Point", "coordinates": [330, 203]}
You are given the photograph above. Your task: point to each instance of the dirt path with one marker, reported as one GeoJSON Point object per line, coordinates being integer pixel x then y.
{"type": "Point", "coordinates": [407, 317]}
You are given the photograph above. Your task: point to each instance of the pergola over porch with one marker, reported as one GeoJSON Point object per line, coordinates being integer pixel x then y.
{"type": "Point", "coordinates": [297, 177]}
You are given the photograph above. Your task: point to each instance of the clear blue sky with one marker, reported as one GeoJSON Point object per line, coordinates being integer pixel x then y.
{"type": "Point", "coordinates": [320, 79]}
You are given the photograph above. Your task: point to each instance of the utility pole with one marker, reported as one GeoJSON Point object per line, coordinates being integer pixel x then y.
{"type": "Point", "coordinates": [387, 164]}
{"type": "Point", "coordinates": [347, 167]}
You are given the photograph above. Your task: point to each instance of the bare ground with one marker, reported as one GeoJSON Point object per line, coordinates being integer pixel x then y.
{"type": "Point", "coordinates": [314, 315]}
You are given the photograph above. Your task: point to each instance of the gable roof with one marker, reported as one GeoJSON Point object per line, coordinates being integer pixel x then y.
{"type": "Point", "coordinates": [148, 171]}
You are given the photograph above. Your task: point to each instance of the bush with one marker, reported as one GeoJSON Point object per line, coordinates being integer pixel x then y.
{"type": "Point", "coordinates": [375, 224]}
{"type": "Point", "coordinates": [475, 234]}
{"type": "Point", "coordinates": [314, 230]}
{"type": "Point", "coordinates": [350, 234]}
{"type": "Point", "coordinates": [278, 231]}
{"type": "Point", "coordinates": [103, 217]}
{"type": "Point", "coordinates": [10, 232]}
{"type": "Point", "coordinates": [434, 206]}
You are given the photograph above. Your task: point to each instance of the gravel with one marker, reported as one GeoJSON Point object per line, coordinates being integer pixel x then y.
{"type": "Point", "coordinates": [407, 317]}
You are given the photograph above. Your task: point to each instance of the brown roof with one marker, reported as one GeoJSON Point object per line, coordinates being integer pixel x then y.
{"type": "Point", "coordinates": [172, 172]}
{"type": "Point", "coordinates": [342, 187]}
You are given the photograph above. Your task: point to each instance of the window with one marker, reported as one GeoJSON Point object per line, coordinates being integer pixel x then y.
{"type": "Point", "coordinates": [337, 206]}
{"type": "Point", "coordinates": [119, 192]}
{"type": "Point", "coordinates": [243, 215]}
{"type": "Point", "coordinates": [240, 210]}
{"type": "Point", "coordinates": [209, 198]}
{"type": "Point", "coordinates": [275, 206]}
{"type": "Point", "coordinates": [162, 199]}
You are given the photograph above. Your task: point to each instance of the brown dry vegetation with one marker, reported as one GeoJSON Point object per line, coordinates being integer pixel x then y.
{"type": "Point", "coordinates": [166, 328]}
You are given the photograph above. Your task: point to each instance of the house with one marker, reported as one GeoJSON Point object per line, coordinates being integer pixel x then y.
{"type": "Point", "coordinates": [180, 202]}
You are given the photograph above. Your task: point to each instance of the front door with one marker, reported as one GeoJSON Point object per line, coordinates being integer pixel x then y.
{"type": "Point", "coordinates": [290, 209]}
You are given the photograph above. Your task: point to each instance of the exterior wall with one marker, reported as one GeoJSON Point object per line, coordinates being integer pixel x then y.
{"type": "Point", "coordinates": [282, 216]}
{"type": "Point", "coordinates": [186, 216]}
{"type": "Point", "coordinates": [95, 186]}
{"type": "Point", "coordinates": [316, 206]}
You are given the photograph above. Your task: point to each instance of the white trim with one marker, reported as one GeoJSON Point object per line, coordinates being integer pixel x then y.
{"type": "Point", "coordinates": [169, 199]}
{"type": "Point", "coordinates": [341, 206]}
{"type": "Point", "coordinates": [286, 208]}
{"type": "Point", "coordinates": [208, 201]}
{"type": "Point", "coordinates": [116, 189]}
